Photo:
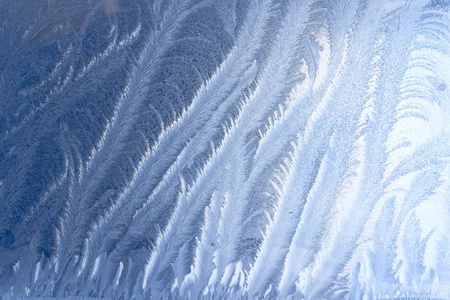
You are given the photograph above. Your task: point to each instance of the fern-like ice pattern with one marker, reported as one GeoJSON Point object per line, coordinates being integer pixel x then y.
{"type": "Point", "coordinates": [225, 149]}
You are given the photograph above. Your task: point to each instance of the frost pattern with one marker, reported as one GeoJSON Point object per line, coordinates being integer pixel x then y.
{"type": "Point", "coordinates": [228, 149]}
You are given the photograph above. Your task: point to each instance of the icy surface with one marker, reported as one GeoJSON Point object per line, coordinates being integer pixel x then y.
{"type": "Point", "coordinates": [239, 149]}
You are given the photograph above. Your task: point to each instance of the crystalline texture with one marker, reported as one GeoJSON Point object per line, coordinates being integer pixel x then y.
{"type": "Point", "coordinates": [224, 149]}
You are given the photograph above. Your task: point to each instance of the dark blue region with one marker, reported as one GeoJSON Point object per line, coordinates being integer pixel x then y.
{"type": "Point", "coordinates": [53, 116]}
